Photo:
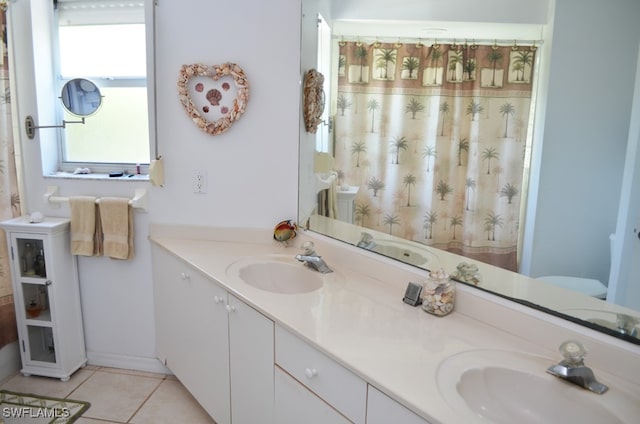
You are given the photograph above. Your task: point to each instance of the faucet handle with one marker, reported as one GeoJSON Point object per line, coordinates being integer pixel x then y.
{"type": "Point", "coordinates": [573, 352]}
{"type": "Point", "coordinates": [308, 247]}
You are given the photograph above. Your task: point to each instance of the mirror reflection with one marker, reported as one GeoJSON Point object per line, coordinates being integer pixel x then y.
{"type": "Point", "coordinates": [81, 97]}
{"type": "Point", "coordinates": [423, 159]}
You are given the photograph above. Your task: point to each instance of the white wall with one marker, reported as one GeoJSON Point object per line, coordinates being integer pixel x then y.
{"type": "Point", "coordinates": [509, 11]}
{"type": "Point", "coordinates": [591, 79]}
{"type": "Point", "coordinates": [251, 169]}
{"type": "Point", "coordinates": [9, 360]}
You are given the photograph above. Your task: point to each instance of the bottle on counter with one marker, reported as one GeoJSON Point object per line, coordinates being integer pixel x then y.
{"type": "Point", "coordinates": [39, 265]}
{"type": "Point", "coordinates": [438, 294]}
{"type": "Point", "coordinates": [28, 259]}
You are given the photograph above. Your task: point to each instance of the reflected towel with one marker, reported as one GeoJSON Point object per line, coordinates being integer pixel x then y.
{"type": "Point", "coordinates": [332, 199]}
{"type": "Point", "coordinates": [83, 225]}
{"type": "Point", "coordinates": [116, 218]}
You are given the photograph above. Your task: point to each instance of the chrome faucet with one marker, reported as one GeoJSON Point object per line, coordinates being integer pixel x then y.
{"type": "Point", "coordinates": [626, 324]}
{"type": "Point", "coordinates": [573, 369]}
{"type": "Point", "coordinates": [312, 260]}
{"type": "Point", "coordinates": [366, 241]}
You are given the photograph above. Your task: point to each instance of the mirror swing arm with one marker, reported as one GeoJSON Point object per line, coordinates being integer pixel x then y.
{"type": "Point", "coordinates": [80, 97]}
{"type": "Point", "coordinates": [31, 127]}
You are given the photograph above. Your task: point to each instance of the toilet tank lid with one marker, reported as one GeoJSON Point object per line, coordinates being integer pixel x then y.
{"type": "Point", "coordinates": [587, 286]}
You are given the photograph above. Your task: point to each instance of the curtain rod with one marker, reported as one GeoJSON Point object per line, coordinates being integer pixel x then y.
{"type": "Point", "coordinates": [436, 40]}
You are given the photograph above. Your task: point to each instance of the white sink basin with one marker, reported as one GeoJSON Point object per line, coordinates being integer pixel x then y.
{"type": "Point", "coordinates": [280, 274]}
{"type": "Point", "coordinates": [494, 386]}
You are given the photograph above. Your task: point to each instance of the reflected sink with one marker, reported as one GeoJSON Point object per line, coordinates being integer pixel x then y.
{"type": "Point", "coordinates": [494, 386]}
{"type": "Point", "coordinates": [405, 252]}
{"type": "Point", "coordinates": [623, 321]}
{"type": "Point", "coordinates": [280, 274]}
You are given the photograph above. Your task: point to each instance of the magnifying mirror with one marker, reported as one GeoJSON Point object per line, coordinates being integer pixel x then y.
{"type": "Point", "coordinates": [81, 97]}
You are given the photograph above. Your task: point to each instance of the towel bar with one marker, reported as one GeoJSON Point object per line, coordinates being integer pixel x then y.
{"type": "Point", "coordinates": [139, 200]}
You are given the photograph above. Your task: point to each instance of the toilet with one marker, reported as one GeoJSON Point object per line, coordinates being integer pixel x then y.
{"type": "Point", "coordinates": [588, 286]}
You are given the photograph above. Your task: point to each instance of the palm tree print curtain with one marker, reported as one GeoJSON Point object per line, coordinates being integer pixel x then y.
{"type": "Point", "coordinates": [9, 200]}
{"type": "Point", "coordinates": [435, 137]}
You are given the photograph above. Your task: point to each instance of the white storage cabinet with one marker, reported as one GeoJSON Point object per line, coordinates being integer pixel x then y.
{"type": "Point", "coordinates": [217, 346]}
{"type": "Point", "coordinates": [47, 297]}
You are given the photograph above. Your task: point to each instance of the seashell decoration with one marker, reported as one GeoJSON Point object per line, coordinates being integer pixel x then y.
{"type": "Point", "coordinates": [285, 231]}
{"type": "Point", "coordinates": [467, 273]}
{"type": "Point", "coordinates": [438, 294]}
{"type": "Point", "coordinates": [214, 96]}
{"type": "Point", "coordinates": [314, 98]}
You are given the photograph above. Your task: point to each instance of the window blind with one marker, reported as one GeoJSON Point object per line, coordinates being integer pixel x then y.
{"type": "Point", "coordinates": [96, 12]}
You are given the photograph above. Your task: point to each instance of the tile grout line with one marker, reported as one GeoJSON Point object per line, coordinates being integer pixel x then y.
{"type": "Point", "coordinates": [146, 399]}
{"type": "Point", "coordinates": [93, 372]}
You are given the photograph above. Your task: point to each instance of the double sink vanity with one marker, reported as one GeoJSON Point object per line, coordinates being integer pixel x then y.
{"type": "Point", "coordinates": [257, 336]}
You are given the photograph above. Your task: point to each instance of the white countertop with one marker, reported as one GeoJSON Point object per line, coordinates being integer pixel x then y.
{"type": "Point", "coordinates": [363, 323]}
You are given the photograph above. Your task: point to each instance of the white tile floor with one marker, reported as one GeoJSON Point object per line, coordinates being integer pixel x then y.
{"type": "Point", "coordinates": [119, 396]}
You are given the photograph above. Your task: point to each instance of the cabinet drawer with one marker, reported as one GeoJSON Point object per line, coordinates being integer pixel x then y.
{"type": "Point", "coordinates": [295, 404]}
{"type": "Point", "coordinates": [339, 387]}
{"type": "Point", "coordinates": [381, 409]}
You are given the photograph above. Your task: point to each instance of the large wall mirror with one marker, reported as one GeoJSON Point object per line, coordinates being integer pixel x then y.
{"type": "Point", "coordinates": [557, 227]}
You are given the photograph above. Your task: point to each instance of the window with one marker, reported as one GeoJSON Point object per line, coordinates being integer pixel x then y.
{"type": "Point", "coordinates": [324, 67]}
{"type": "Point", "coordinates": [105, 41]}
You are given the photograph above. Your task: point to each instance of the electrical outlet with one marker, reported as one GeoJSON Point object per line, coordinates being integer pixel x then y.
{"type": "Point", "coordinates": [199, 182]}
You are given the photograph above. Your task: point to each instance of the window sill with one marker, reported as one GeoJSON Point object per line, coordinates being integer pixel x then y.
{"type": "Point", "coordinates": [97, 176]}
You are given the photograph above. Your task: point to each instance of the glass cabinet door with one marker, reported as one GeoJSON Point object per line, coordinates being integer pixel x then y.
{"type": "Point", "coordinates": [31, 257]}
{"type": "Point", "coordinates": [41, 344]}
{"type": "Point", "coordinates": [34, 297]}
{"type": "Point", "coordinates": [36, 301]}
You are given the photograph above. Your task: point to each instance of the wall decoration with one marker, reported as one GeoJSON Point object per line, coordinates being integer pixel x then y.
{"type": "Point", "coordinates": [213, 96]}
{"type": "Point", "coordinates": [313, 101]}
{"type": "Point", "coordinates": [285, 231]}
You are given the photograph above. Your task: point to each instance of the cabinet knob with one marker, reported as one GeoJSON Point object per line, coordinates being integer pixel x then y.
{"type": "Point", "coordinates": [185, 275]}
{"type": "Point", "coordinates": [231, 308]}
{"type": "Point", "coordinates": [218, 299]}
{"type": "Point", "coordinates": [310, 372]}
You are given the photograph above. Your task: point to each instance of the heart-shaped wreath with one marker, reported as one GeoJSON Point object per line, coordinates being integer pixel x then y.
{"type": "Point", "coordinates": [213, 96]}
{"type": "Point", "coordinates": [313, 98]}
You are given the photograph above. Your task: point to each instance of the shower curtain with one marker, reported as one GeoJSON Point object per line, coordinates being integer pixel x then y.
{"type": "Point", "coordinates": [435, 136]}
{"type": "Point", "coordinates": [9, 199]}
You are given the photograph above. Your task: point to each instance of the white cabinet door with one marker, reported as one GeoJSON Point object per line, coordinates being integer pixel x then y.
{"type": "Point", "coordinates": [381, 409]}
{"type": "Point", "coordinates": [192, 332]}
{"type": "Point", "coordinates": [251, 362]}
{"type": "Point", "coordinates": [295, 404]}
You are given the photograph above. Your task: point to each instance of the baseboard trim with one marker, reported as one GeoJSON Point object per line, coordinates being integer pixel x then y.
{"type": "Point", "coordinates": [10, 362]}
{"type": "Point", "coordinates": [136, 363]}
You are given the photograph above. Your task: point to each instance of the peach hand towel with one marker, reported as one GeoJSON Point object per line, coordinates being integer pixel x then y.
{"type": "Point", "coordinates": [83, 225]}
{"type": "Point", "coordinates": [116, 218]}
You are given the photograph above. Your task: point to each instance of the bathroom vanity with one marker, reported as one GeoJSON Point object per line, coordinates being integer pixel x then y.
{"type": "Point", "coordinates": [256, 336]}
